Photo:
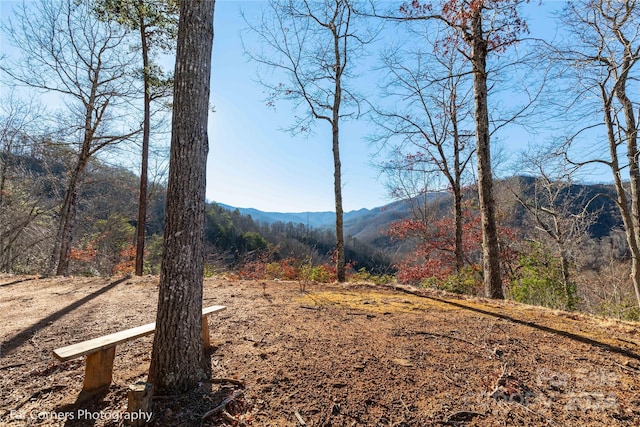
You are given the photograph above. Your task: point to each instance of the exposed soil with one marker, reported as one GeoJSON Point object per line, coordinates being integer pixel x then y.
{"type": "Point", "coordinates": [353, 355]}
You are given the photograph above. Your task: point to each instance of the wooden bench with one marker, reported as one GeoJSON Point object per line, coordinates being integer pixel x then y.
{"type": "Point", "coordinates": [101, 351]}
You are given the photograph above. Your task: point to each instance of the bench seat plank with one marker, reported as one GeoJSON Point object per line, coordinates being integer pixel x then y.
{"type": "Point", "coordinates": [213, 309]}
{"type": "Point", "coordinates": [97, 344]}
{"type": "Point", "coordinates": [100, 343]}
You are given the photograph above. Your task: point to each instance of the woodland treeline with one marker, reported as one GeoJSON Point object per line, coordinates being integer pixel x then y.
{"type": "Point", "coordinates": [106, 226]}
{"type": "Point", "coordinates": [459, 76]}
{"type": "Point", "coordinates": [238, 246]}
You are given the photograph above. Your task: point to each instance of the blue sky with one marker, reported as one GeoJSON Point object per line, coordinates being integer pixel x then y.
{"type": "Point", "coordinates": [252, 163]}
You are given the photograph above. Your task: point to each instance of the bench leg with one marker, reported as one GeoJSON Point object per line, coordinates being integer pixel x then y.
{"type": "Point", "coordinates": [99, 369]}
{"type": "Point", "coordinates": [206, 342]}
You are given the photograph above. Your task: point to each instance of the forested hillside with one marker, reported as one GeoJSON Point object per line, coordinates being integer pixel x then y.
{"type": "Point", "coordinates": [376, 240]}
{"type": "Point", "coordinates": [233, 239]}
{"type": "Point", "coordinates": [32, 190]}
{"type": "Point", "coordinates": [106, 221]}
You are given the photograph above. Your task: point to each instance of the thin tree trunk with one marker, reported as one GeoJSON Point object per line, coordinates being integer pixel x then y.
{"type": "Point", "coordinates": [456, 181]}
{"type": "Point", "coordinates": [64, 236]}
{"type": "Point", "coordinates": [3, 172]}
{"type": "Point", "coordinates": [566, 280]}
{"type": "Point", "coordinates": [622, 201]}
{"type": "Point", "coordinates": [337, 188]}
{"type": "Point", "coordinates": [341, 61]}
{"type": "Point", "coordinates": [631, 136]}
{"type": "Point", "coordinates": [458, 214]}
{"type": "Point", "coordinates": [564, 262]}
{"type": "Point", "coordinates": [142, 200]}
{"type": "Point", "coordinates": [490, 246]}
{"type": "Point", "coordinates": [177, 359]}
{"type": "Point", "coordinates": [4, 259]}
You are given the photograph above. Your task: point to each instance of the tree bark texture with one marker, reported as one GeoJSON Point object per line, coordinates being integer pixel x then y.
{"type": "Point", "coordinates": [177, 360]}
{"type": "Point", "coordinates": [490, 246]}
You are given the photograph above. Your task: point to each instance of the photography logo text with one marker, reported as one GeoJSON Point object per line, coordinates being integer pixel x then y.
{"type": "Point", "coordinates": [80, 414]}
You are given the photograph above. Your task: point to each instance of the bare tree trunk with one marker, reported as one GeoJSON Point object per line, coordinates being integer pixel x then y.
{"type": "Point", "coordinates": [341, 60]}
{"type": "Point", "coordinates": [64, 236]}
{"type": "Point", "coordinates": [5, 255]}
{"type": "Point", "coordinates": [490, 246]}
{"type": "Point", "coordinates": [337, 187]}
{"type": "Point", "coordinates": [142, 200]}
{"type": "Point", "coordinates": [566, 280]}
{"type": "Point", "coordinates": [630, 225]}
{"type": "Point", "coordinates": [177, 359]}
{"type": "Point", "coordinates": [458, 215]}
{"type": "Point", "coordinates": [631, 136]}
{"type": "Point", "coordinates": [456, 184]}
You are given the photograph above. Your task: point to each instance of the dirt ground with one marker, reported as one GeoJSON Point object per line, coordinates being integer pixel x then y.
{"type": "Point", "coordinates": [331, 355]}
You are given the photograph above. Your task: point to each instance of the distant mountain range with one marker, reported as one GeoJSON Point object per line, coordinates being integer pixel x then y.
{"type": "Point", "coordinates": [364, 224]}
{"type": "Point", "coordinates": [312, 219]}
{"type": "Point", "coordinates": [370, 225]}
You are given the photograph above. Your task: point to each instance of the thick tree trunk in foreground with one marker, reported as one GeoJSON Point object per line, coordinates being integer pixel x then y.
{"type": "Point", "coordinates": [177, 360]}
{"type": "Point", "coordinates": [490, 247]}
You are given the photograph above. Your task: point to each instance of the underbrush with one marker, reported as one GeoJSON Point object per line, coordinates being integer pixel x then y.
{"type": "Point", "coordinates": [304, 271]}
{"type": "Point", "coordinates": [607, 292]}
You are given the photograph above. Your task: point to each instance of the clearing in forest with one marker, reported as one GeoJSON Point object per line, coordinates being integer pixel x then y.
{"type": "Point", "coordinates": [353, 355]}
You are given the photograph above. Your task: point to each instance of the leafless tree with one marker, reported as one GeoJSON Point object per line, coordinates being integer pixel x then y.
{"type": "Point", "coordinates": [25, 213]}
{"type": "Point", "coordinates": [314, 45]}
{"type": "Point", "coordinates": [601, 59]}
{"type": "Point", "coordinates": [83, 61]}
{"type": "Point", "coordinates": [551, 205]}
{"type": "Point", "coordinates": [426, 134]}
{"type": "Point", "coordinates": [478, 29]}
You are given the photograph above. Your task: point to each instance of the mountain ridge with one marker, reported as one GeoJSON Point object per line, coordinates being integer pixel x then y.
{"type": "Point", "coordinates": [370, 225]}
{"type": "Point", "coordinates": [322, 219]}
